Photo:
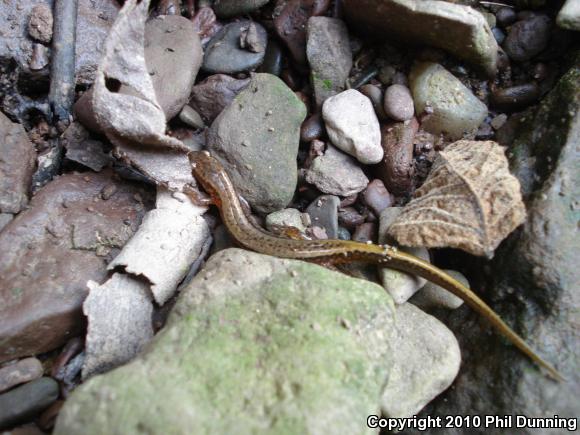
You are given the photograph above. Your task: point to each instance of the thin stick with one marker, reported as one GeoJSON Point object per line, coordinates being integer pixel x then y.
{"type": "Point", "coordinates": [62, 71]}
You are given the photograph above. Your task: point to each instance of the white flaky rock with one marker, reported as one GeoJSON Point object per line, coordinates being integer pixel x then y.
{"type": "Point", "coordinates": [455, 110]}
{"type": "Point", "coordinates": [352, 126]}
{"type": "Point", "coordinates": [426, 360]}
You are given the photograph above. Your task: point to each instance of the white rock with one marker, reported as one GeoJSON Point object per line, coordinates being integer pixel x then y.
{"type": "Point", "coordinates": [426, 360]}
{"type": "Point", "coordinates": [432, 296]}
{"type": "Point", "coordinates": [569, 15]}
{"type": "Point", "coordinates": [456, 110]}
{"type": "Point", "coordinates": [352, 126]}
{"type": "Point", "coordinates": [400, 285]}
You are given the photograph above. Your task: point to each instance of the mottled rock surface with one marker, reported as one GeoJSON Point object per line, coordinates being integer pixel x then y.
{"type": "Point", "coordinates": [257, 345]}
{"type": "Point", "coordinates": [52, 249]}
{"type": "Point", "coordinates": [17, 164]}
{"type": "Point", "coordinates": [329, 55]}
{"type": "Point", "coordinates": [256, 138]}
{"type": "Point", "coordinates": [458, 29]}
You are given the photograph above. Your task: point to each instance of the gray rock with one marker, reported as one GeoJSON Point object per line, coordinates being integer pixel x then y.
{"type": "Point", "coordinates": [527, 38]}
{"type": "Point", "coordinates": [17, 164]}
{"type": "Point", "coordinates": [173, 53]}
{"type": "Point", "coordinates": [26, 402]}
{"type": "Point", "coordinates": [189, 116]}
{"type": "Point", "coordinates": [427, 360]}
{"type": "Point", "coordinates": [456, 111]}
{"type": "Point", "coordinates": [5, 219]}
{"type": "Point", "coordinates": [289, 217]}
{"type": "Point", "coordinates": [257, 138]}
{"type": "Point", "coordinates": [53, 248]}
{"type": "Point", "coordinates": [329, 55]}
{"type": "Point", "coordinates": [533, 281]}
{"type": "Point", "coordinates": [273, 59]}
{"type": "Point", "coordinates": [352, 126]}
{"type": "Point", "coordinates": [25, 370]}
{"type": "Point", "coordinates": [323, 213]}
{"type": "Point", "coordinates": [214, 94]}
{"type": "Point", "coordinates": [231, 8]}
{"type": "Point", "coordinates": [400, 285]}
{"type": "Point", "coordinates": [377, 197]}
{"type": "Point", "coordinates": [432, 296]}
{"type": "Point", "coordinates": [386, 219]}
{"type": "Point", "coordinates": [254, 345]}
{"type": "Point", "coordinates": [569, 15]}
{"type": "Point", "coordinates": [398, 103]}
{"type": "Point", "coordinates": [459, 29]}
{"type": "Point", "coordinates": [224, 54]}
{"type": "Point", "coordinates": [336, 173]}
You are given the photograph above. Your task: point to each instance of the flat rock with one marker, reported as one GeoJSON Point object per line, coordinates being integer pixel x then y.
{"type": "Point", "coordinates": [569, 15]}
{"type": "Point", "coordinates": [25, 370]}
{"type": "Point", "coordinates": [55, 246]}
{"type": "Point", "coordinates": [255, 344]}
{"type": "Point", "coordinates": [256, 138]}
{"type": "Point", "coordinates": [456, 111]}
{"type": "Point", "coordinates": [352, 126]}
{"type": "Point", "coordinates": [336, 173]}
{"type": "Point", "coordinates": [329, 55]}
{"type": "Point", "coordinates": [231, 8]}
{"type": "Point", "coordinates": [461, 30]}
{"type": "Point", "coordinates": [173, 54]}
{"type": "Point", "coordinates": [224, 53]}
{"type": "Point", "coordinates": [27, 401]}
{"type": "Point", "coordinates": [427, 360]}
{"type": "Point", "coordinates": [17, 164]}
{"type": "Point", "coordinates": [214, 94]}
{"type": "Point", "coordinates": [323, 213]}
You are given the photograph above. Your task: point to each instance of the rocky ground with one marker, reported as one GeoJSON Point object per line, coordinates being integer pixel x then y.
{"type": "Point", "coordinates": [449, 128]}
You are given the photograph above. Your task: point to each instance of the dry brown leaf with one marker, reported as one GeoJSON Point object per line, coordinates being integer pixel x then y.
{"type": "Point", "coordinates": [469, 201]}
{"type": "Point", "coordinates": [126, 106]}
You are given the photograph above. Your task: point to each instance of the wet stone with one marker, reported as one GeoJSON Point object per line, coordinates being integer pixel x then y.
{"type": "Point", "coordinates": [224, 54]}
{"type": "Point", "coordinates": [365, 233]}
{"type": "Point", "coordinates": [288, 217]}
{"type": "Point", "coordinates": [312, 128]}
{"type": "Point", "coordinates": [20, 372]}
{"type": "Point", "coordinates": [273, 59]}
{"type": "Point", "coordinates": [323, 213]}
{"type": "Point", "coordinates": [515, 97]}
{"type": "Point", "coordinates": [350, 218]}
{"type": "Point", "coordinates": [375, 94]}
{"type": "Point", "coordinates": [27, 401]}
{"type": "Point", "coordinates": [231, 8]}
{"type": "Point", "coordinates": [189, 116]}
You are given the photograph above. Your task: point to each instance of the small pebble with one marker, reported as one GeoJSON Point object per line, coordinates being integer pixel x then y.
{"type": "Point", "coordinates": [343, 233]}
{"type": "Point", "coordinates": [365, 233]}
{"type": "Point", "coordinates": [191, 117]}
{"type": "Point", "coordinates": [515, 97]}
{"type": "Point", "coordinates": [27, 401]}
{"type": "Point", "coordinates": [527, 38]}
{"type": "Point", "coordinates": [505, 16]}
{"type": "Point", "coordinates": [375, 94]}
{"type": "Point", "coordinates": [289, 217]}
{"type": "Point", "coordinates": [432, 296]}
{"type": "Point", "coordinates": [398, 103]}
{"type": "Point", "coordinates": [387, 74]}
{"type": "Point", "coordinates": [323, 213]}
{"type": "Point", "coordinates": [312, 128]}
{"type": "Point", "coordinates": [39, 57]}
{"type": "Point", "coordinates": [498, 34]}
{"type": "Point", "coordinates": [22, 371]}
{"type": "Point", "coordinates": [350, 218]}
{"type": "Point", "coordinates": [40, 23]}
{"type": "Point", "coordinates": [498, 121]}
{"type": "Point", "coordinates": [377, 197]}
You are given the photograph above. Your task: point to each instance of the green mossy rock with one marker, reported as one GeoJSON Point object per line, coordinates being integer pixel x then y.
{"type": "Point", "coordinates": [254, 345]}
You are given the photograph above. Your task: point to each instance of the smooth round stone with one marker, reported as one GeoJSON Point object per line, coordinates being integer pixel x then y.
{"type": "Point", "coordinates": [528, 38]}
{"type": "Point", "coordinates": [286, 218]}
{"type": "Point", "coordinates": [505, 16]}
{"type": "Point", "coordinates": [312, 128]}
{"type": "Point", "coordinates": [398, 103]}
{"type": "Point", "coordinates": [377, 197]}
{"type": "Point", "coordinates": [323, 213]}
{"type": "Point", "coordinates": [272, 63]}
{"type": "Point", "coordinates": [189, 116]}
{"type": "Point", "coordinates": [223, 53]}
{"type": "Point", "coordinates": [27, 401]}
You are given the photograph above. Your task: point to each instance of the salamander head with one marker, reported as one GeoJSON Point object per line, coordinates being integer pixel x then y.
{"type": "Point", "coordinates": [208, 171]}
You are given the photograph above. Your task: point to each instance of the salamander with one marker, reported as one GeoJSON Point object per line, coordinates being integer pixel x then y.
{"type": "Point", "coordinates": [212, 176]}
